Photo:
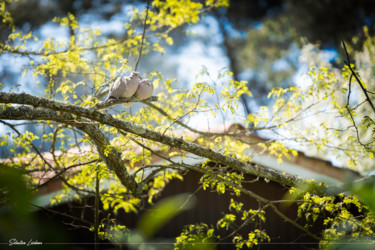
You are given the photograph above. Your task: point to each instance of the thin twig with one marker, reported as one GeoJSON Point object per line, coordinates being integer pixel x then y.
{"type": "Point", "coordinates": [37, 151]}
{"type": "Point", "coordinates": [351, 115]}
{"type": "Point", "coordinates": [188, 112]}
{"type": "Point", "coordinates": [63, 171]}
{"type": "Point", "coordinates": [96, 218]}
{"type": "Point", "coordinates": [53, 145]}
{"type": "Point", "coordinates": [357, 78]}
{"type": "Point", "coordinates": [350, 89]}
{"type": "Point", "coordinates": [244, 191]}
{"type": "Point", "coordinates": [7, 48]}
{"type": "Point", "coordinates": [143, 36]}
{"type": "Point", "coordinates": [246, 222]}
{"type": "Point", "coordinates": [348, 63]}
{"type": "Point", "coordinates": [62, 214]}
{"type": "Point", "coordinates": [286, 218]}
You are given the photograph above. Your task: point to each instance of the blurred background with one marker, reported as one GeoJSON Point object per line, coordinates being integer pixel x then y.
{"type": "Point", "coordinates": [259, 40]}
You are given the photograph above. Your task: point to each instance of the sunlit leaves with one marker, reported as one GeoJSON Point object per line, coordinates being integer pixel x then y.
{"type": "Point", "coordinates": [226, 221]}
{"type": "Point", "coordinates": [248, 216]}
{"type": "Point", "coordinates": [279, 150]}
{"type": "Point", "coordinates": [69, 21]}
{"type": "Point", "coordinates": [194, 236]}
{"type": "Point", "coordinates": [159, 183]}
{"type": "Point", "coordinates": [5, 15]}
{"type": "Point", "coordinates": [254, 238]}
{"type": "Point", "coordinates": [222, 182]}
{"type": "Point", "coordinates": [80, 68]}
{"type": "Point", "coordinates": [217, 3]}
{"type": "Point", "coordinates": [174, 13]}
{"type": "Point", "coordinates": [116, 198]}
{"type": "Point", "coordinates": [344, 216]}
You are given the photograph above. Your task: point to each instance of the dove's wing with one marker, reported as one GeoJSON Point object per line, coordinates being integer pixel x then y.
{"type": "Point", "coordinates": [117, 89]}
{"type": "Point", "coordinates": [124, 86]}
{"type": "Point", "coordinates": [131, 84]}
{"type": "Point", "coordinates": [144, 90]}
{"type": "Point", "coordinates": [120, 87]}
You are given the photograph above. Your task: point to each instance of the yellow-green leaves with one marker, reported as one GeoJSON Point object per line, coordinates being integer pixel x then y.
{"type": "Point", "coordinates": [174, 13]}
{"type": "Point", "coordinates": [116, 198]}
{"type": "Point", "coordinates": [194, 236]}
{"type": "Point", "coordinates": [68, 21]}
{"type": "Point", "coordinates": [23, 142]}
{"type": "Point", "coordinates": [169, 40]}
{"type": "Point", "coordinates": [160, 181]}
{"type": "Point", "coordinates": [226, 221]}
{"type": "Point", "coordinates": [249, 216]}
{"type": "Point", "coordinates": [217, 3]}
{"type": "Point", "coordinates": [68, 87]}
{"type": "Point", "coordinates": [5, 14]}
{"type": "Point", "coordinates": [340, 214]}
{"type": "Point", "coordinates": [279, 150]}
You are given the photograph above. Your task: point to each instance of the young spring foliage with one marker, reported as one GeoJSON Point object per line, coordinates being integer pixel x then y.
{"type": "Point", "coordinates": [315, 115]}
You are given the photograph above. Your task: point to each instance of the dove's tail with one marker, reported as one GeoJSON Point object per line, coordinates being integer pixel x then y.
{"type": "Point", "coordinates": [109, 97]}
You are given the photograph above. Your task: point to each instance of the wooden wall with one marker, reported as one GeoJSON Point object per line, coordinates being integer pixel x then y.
{"type": "Point", "coordinates": [209, 209]}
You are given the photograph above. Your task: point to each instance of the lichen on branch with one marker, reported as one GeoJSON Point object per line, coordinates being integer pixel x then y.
{"type": "Point", "coordinates": [97, 116]}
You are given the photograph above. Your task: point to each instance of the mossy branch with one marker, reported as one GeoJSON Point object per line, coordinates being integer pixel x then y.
{"type": "Point", "coordinates": [97, 116]}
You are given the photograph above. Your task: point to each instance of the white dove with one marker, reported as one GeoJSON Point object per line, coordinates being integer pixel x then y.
{"type": "Point", "coordinates": [145, 89]}
{"type": "Point", "coordinates": [124, 86]}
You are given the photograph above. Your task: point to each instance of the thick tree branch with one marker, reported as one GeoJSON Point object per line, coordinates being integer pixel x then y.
{"type": "Point", "coordinates": [197, 168]}
{"type": "Point", "coordinates": [136, 129]}
{"type": "Point", "coordinates": [23, 112]}
{"type": "Point", "coordinates": [247, 192]}
{"type": "Point", "coordinates": [109, 154]}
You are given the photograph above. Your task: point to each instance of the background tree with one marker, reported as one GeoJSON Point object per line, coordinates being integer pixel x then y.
{"type": "Point", "coordinates": [276, 25]}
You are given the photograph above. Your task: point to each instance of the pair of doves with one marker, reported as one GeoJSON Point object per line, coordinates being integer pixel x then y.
{"type": "Point", "coordinates": [129, 86]}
